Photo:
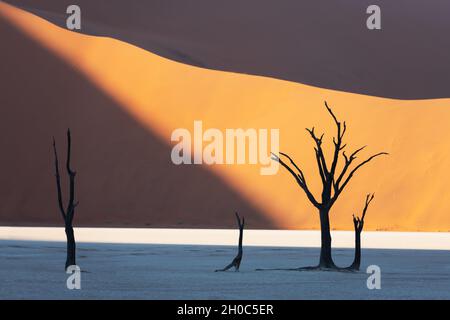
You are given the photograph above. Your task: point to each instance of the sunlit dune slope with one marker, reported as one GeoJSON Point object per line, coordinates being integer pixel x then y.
{"type": "Point", "coordinates": [410, 184]}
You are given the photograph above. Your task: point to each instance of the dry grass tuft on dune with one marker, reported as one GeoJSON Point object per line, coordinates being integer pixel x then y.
{"type": "Point", "coordinates": [152, 96]}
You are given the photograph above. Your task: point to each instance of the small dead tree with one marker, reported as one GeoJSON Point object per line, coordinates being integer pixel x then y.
{"type": "Point", "coordinates": [333, 181]}
{"type": "Point", "coordinates": [237, 260]}
{"type": "Point", "coordinates": [359, 225]}
{"type": "Point", "coordinates": [68, 212]}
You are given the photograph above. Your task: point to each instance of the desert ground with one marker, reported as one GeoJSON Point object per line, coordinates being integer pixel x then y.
{"type": "Point", "coordinates": [35, 269]}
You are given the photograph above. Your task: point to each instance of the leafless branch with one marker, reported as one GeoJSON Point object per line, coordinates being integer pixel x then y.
{"type": "Point", "coordinates": [299, 177]}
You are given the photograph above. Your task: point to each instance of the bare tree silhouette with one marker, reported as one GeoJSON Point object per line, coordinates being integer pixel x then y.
{"type": "Point", "coordinates": [359, 225]}
{"type": "Point", "coordinates": [333, 182]}
{"type": "Point", "coordinates": [69, 212]}
{"type": "Point", "coordinates": [237, 260]}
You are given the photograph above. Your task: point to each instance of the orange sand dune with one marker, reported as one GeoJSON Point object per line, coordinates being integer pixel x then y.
{"type": "Point", "coordinates": [410, 185]}
{"type": "Point", "coordinates": [324, 43]}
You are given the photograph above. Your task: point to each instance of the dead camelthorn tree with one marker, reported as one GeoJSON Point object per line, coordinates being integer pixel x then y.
{"type": "Point", "coordinates": [68, 212]}
{"type": "Point", "coordinates": [359, 225]}
{"type": "Point", "coordinates": [333, 182]}
{"type": "Point", "coordinates": [237, 260]}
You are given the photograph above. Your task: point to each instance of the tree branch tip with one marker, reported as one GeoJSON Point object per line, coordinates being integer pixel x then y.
{"type": "Point", "coordinates": [275, 157]}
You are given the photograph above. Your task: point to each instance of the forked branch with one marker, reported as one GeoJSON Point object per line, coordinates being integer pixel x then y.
{"type": "Point", "coordinates": [68, 212]}
{"type": "Point", "coordinates": [339, 188]}
{"type": "Point", "coordinates": [358, 224]}
{"type": "Point", "coordinates": [359, 221]}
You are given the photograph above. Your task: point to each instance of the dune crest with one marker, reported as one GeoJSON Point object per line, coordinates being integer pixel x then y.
{"type": "Point", "coordinates": [324, 43]}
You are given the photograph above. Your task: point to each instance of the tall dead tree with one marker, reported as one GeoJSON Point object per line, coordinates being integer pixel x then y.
{"type": "Point", "coordinates": [333, 182]}
{"type": "Point", "coordinates": [237, 260]}
{"type": "Point", "coordinates": [359, 225]}
{"type": "Point", "coordinates": [68, 212]}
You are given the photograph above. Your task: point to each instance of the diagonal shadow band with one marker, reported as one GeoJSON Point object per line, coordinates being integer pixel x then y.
{"type": "Point", "coordinates": [124, 173]}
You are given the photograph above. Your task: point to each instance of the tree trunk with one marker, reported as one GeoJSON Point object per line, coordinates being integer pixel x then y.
{"type": "Point", "coordinates": [71, 247]}
{"type": "Point", "coordinates": [357, 260]}
{"type": "Point", "coordinates": [241, 235]}
{"type": "Point", "coordinates": [236, 263]}
{"type": "Point", "coordinates": [326, 261]}
{"type": "Point", "coordinates": [68, 214]}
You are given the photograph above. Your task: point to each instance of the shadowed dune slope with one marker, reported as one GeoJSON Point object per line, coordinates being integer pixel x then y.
{"type": "Point", "coordinates": [125, 107]}
{"type": "Point", "coordinates": [124, 174]}
{"type": "Point", "coordinates": [323, 43]}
